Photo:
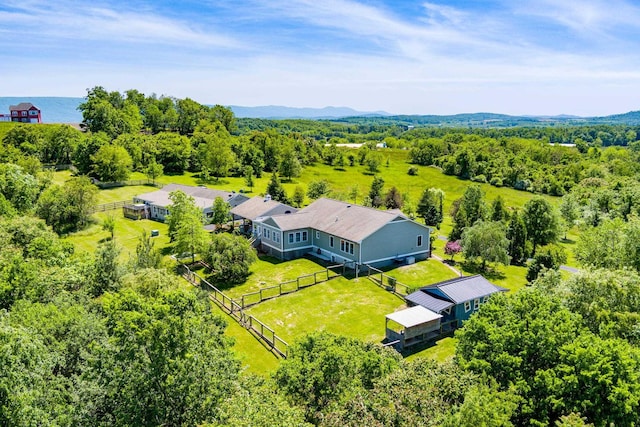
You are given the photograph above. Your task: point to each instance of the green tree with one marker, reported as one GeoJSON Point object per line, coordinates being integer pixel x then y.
{"type": "Point", "coordinates": [289, 166]}
{"type": "Point", "coordinates": [221, 213]}
{"type": "Point", "coordinates": [26, 398]}
{"type": "Point", "coordinates": [215, 154]}
{"type": "Point", "coordinates": [486, 241]}
{"type": "Point", "coordinates": [393, 199]}
{"type": "Point", "coordinates": [18, 187]}
{"type": "Point", "coordinates": [541, 222]}
{"type": "Point", "coordinates": [248, 177]}
{"type": "Point", "coordinates": [516, 339]}
{"type": "Point", "coordinates": [112, 163]}
{"type": "Point", "coordinates": [109, 224]}
{"type": "Point", "coordinates": [373, 161]}
{"type": "Point", "coordinates": [147, 256]}
{"type": "Point", "coordinates": [256, 402]}
{"type": "Point", "coordinates": [168, 362]}
{"type": "Point", "coordinates": [107, 272]}
{"type": "Point", "coordinates": [230, 257]}
{"type": "Point", "coordinates": [430, 207]}
{"type": "Point", "coordinates": [517, 236]}
{"type": "Point", "coordinates": [173, 151]}
{"type": "Point", "coordinates": [498, 210]}
{"type": "Point", "coordinates": [569, 212]}
{"type": "Point", "coordinates": [318, 189]}
{"type": "Point", "coordinates": [548, 257]}
{"type": "Point", "coordinates": [354, 192]}
{"type": "Point", "coordinates": [181, 206]}
{"type": "Point", "coordinates": [190, 236]}
{"type": "Point", "coordinates": [68, 207]}
{"type": "Point", "coordinates": [189, 114]}
{"type": "Point", "coordinates": [153, 171]}
{"type": "Point", "coordinates": [375, 193]}
{"type": "Point", "coordinates": [275, 189]}
{"type": "Point", "coordinates": [298, 196]}
{"type": "Point", "coordinates": [324, 371]}
{"type": "Point", "coordinates": [468, 210]}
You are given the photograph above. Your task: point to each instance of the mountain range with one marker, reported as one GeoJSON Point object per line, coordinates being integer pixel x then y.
{"type": "Point", "coordinates": [65, 110]}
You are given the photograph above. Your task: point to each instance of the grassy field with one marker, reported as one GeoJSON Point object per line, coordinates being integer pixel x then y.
{"type": "Point", "coordinates": [127, 232]}
{"type": "Point", "coordinates": [348, 307]}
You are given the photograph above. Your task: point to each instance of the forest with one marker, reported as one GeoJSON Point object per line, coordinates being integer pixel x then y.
{"type": "Point", "coordinates": [90, 338]}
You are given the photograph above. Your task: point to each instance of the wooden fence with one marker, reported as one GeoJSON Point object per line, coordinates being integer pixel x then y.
{"type": "Point", "coordinates": [109, 206]}
{"type": "Point", "coordinates": [104, 185]}
{"type": "Point", "coordinates": [301, 282]}
{"type": "Point", "coordinates": [387, 282]}
{"type": "Point", "coordinates": [261, 331]}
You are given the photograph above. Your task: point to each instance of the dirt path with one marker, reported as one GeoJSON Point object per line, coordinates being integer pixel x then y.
{"type": "Point", "coordinates": [455, 270]}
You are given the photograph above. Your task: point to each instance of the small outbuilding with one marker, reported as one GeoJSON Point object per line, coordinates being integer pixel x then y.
{"type": "Point", "coordinates": [412, 326]}
{"type": "Point", "coordinates": [135, 211]}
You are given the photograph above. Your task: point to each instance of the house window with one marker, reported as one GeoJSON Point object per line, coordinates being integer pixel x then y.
{"type": "Point", "coordinates": [467, 306]}
{"type": "Point", "coordinates": [447, 310]}
{"type": "Point", "coordinates": [317, 234]}
{"type": "Point", "coordinates": [267, 233]}
{"type": "Point", "coordinates": [276, 237]}
{"type": "Point", "coordinates": [346, 246]}
{"type": "Point", "coordinates": [304, 236]}
{"type": "Point", "coordinates": [290, 237]}
{"type": "Point", "coordinates": [485, 299]}
{"type": "Point", "coordinates": [33, 113]}
{"type": "Point", "coordinates": [14, 113]}
{"type": "Point", "coordinates": [476, 304]}
{"type": "Point", "coordinates": [331, 241]}
{"type": "Point", "coordinates": [419, 240]}
{"type": "Point", "coordinates": [24, 113]}
{"type": "Point", "coordinates": [298, 236]}
{"type": "Point", "coordinates": [209, 214]}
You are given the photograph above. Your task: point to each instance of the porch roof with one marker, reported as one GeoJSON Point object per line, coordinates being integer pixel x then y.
{"type": "Point", "coordinates": [413, 316]}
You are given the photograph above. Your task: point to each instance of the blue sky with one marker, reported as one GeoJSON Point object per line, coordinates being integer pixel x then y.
{"type": "Point", "coordinates": [405, 57]}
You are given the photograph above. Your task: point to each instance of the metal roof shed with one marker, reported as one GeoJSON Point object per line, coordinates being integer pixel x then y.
{"type": "Point", "coordinates": [417, 325]}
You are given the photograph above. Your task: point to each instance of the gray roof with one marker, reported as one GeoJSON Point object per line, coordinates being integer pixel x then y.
{"type": "Point", "coordinates": [22, 106]}
{"type": "Point", "coordinates": [414, 316]}
{"type": "Point", "coordinates": [345, 220]}
{"type": "Point", "coordinates": [258, 206]}
{"type": "Point", "coordinates": [204, 197]}
{"type": "Point", "coordinates": [426, 300]}
{"type": "Point", "coordinates": [466, 288]}
{"type": "Point", "coordinates": [456, 291]}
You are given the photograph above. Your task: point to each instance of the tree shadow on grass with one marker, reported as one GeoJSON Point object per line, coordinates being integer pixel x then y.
{"type": "Point", "coordinates": [490, 273]}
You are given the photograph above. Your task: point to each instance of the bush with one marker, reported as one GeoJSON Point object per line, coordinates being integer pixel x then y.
{"type": "Point", "coordinates": [413, 171]}
{"type": "Point", "coordinates": [496, 181]}
{"type": "Point", "coordinates": [479, 178]}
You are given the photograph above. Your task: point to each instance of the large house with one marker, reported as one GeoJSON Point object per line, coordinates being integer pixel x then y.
{"type": "Point", "coordinates": [25, 112]}
{"type": "Point", "coordinates": [258, 207]}
{"type": "Point", "coordinates": [157, 203]}
{"type": "Point", "coordinates": [343, 233]}
{"type": "Point", "coordinates": [438, 308]}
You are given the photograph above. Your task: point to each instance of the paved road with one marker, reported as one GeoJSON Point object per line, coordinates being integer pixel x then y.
{"type": "Point", "coordinates": [569, 269]}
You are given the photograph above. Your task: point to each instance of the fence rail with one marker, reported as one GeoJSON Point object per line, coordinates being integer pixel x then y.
{"type": "Point", "coordinates": [104, 185]}
{"type": "Point", "coordinates": [109, 206]}
{"type": "Point", "coordinates": [301, 282]}
{"type": "Point", "coordinates": [258, 329]}
{"type": "Point", "coordinates": [387, 282]}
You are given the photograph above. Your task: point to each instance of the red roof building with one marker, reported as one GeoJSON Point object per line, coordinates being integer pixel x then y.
{"type": "Point", "coordinates": [25, 112]}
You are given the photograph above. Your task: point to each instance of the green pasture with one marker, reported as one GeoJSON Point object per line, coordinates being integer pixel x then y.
{"type": "Point", "coordinates": [269, 271]}
{"type": "Point", "coordinates": [421, 274]}
{"type": "Point", "coordinates": [355, 308]}
{"type": "Point", "coordinates": [127, 233]}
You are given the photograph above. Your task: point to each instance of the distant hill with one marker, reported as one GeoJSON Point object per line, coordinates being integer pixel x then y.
{"type": "Point", "coordinates": [65, 110]}
{"type": "Point", "coordinates": [280, 112]}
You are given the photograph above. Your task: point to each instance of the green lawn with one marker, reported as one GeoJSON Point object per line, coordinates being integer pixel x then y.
{"type": "Point", "coordinates": [269, 271]}
{"type": "Point", "coordinates": [441, 350]}
{"type": "Point", "coordinates": [422, 273]}
{"type": "Point", "coordinates": [127, 232]}
{"type": "Point", "coordinates": [354, 308]}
